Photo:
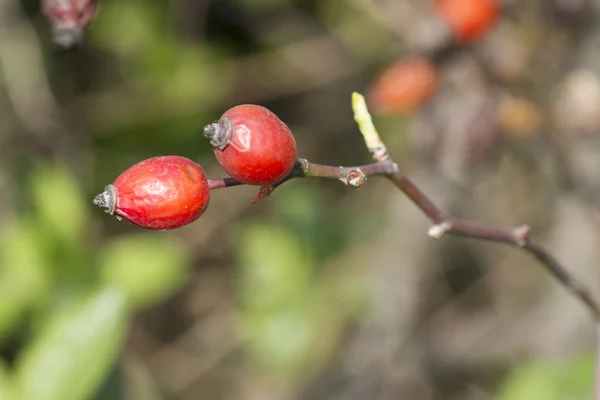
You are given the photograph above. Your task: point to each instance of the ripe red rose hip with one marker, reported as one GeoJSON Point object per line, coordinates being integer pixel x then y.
{"type": "Point", "coordinates": [252, 145]}
{"type": "Point", "coordinates": [469, 20]}
{"type": "Point", "coordinates": [404, 86]}
{"type": "Point", "coordinates": [158, 193]}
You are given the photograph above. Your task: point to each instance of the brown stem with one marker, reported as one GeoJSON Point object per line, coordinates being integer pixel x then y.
{"type": "Point", "coordinates": [556, 269]}
{"type": "Point", "coordinates": [351, 176]}
{"type": "Point", "coordinates": [223, 183]}
{"type": "Point", "coordinates": [443, 224]}
{"type": "Point", "coordinates": [518, 237]}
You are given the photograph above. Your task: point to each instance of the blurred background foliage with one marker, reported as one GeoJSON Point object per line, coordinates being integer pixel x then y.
{"type": "Point", "coordinates": [320, 291]}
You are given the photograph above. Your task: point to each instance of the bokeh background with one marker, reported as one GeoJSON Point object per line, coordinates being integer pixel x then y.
{"type": "Point", "coordinates": [320, 291]}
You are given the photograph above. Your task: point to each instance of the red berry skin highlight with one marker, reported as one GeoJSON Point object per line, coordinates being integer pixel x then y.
{"type": "Point", "coordinates": [469, 20]}
{"type": "Point", "coordinates": [159, 193]}
{"type": "Point", "coordinates": [253, 145]}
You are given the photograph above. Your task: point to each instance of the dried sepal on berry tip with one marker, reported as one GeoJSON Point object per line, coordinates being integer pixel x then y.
{"type": "Point", "coordinates": [219, 133]}
{"type": "Point", "coordinates": [107, 199]}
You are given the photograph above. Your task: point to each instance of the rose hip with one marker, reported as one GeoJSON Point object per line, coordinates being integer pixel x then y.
{"type": "Point", "coordinates": [468, 20]}
{"type": "Point", "coordinates": [252, 145]}
{"type": "Point", "coordinates": [158, 193]}
{"type": "Point", "coordinates": [404, 86]}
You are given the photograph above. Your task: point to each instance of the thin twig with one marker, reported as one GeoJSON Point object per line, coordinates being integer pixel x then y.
{"type": "Point", "coordinates": [223, 183]}
{"type": "Point", "coordinates": [350, 176]}
{"type": "Point", "coordinates": [518, 237]}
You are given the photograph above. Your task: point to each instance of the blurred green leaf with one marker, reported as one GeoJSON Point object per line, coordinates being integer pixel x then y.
{"type": "Point", "coordinates": [6, 384]}
{"type": "Point", "coordinates": [531, 382]}
{"type": "Point", "coordinates": [147, 268]}
{"type": "Point", "coordinates": [58, 202]}
{"type": "Point", "coordinates": [127, 27]}
{"type": "Point", "coordinates": [577, 376]}
{"type": "Point", "coordinates": [24, 272]}
{"type": "Point", "coordinates": [113, 387]}
{"type": "Point", "coordinates": [281, 339]}
{"type": "Point", "coordinates": [75, 350]}
{"type": "Point", "coordinates": [274, 268]}
{"type": "Point", "coordinates": [363, 36]}
{"type": "Point", "coordinates": [537, 380]}
{"type": "Point", "coordinates": [282, 312]}
{"type": "Point", "coordinates": [196, 73]}
{"type": "Point", "coordinates": [319, 229]}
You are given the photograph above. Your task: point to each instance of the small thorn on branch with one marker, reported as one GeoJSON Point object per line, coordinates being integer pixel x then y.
{"type": "Point", "coordinates": [355, 178]}
{"type": "Point", "coordinates": [439, 230]}
{"type": "Point", "coordinates": [263, 193]}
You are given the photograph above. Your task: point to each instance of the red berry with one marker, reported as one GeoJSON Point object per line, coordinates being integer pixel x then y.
{"type": "Point", "coordinates": [252, 145]}
{"type": "Point", "coordinates": [469, 20]}
{"type": "Point", "coordinates": [404, 87]}
{"type": "Point", "coordinates": [158, 193]}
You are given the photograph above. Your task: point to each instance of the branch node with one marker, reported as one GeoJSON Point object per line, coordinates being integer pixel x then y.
{"type": "Point", "coordinates": [301, 165]}
{"type": "Point", "coordinates": [521, 234]}
{"type": "Point", "coordinates": [355, 178]}
{"type": "Point", "coordinates": [379, 153]}
{"type": "Point", "coordinates": [439, 230]}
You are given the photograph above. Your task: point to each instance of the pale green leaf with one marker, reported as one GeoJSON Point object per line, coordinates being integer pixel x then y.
{"type": "Point", "coordinates": [24, 272]}
{"type": "Point", "coordinates": [569, 379]}
{"type": "Point", "coordinates": [274, 270]}
{"type": "Point", "coordinates": [535, 382]}
{"type": "Point", "coordinates": [126, 27]}
{"type": "Point", "coordinates": [59, 203]}
{"type": "Point", "coordinates": [75, 349]}
{"type": "Point", "coordinates": [6, 384]}
{"type": "Point", "coordinates": [281, 339]}
{"type": "Point", "coordinates": [147, 268]}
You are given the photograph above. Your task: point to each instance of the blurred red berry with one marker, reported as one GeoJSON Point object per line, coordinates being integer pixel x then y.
{"type": "Point", "coordinates": [468, 20]}
{"type": "Point", "coordinates": [158, 193]}
{"type": "Point", "coordinates": [404, 86]}
{"type": "Point", "coordinates": [68, 18]}
{"type": "Point", "coordinates": [252, 145]}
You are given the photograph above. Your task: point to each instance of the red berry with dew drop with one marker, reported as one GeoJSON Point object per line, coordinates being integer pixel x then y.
{"type": "Point", "coordinates": [252, 145]}
{"type": "Point", "coordinates": [159, 193]}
